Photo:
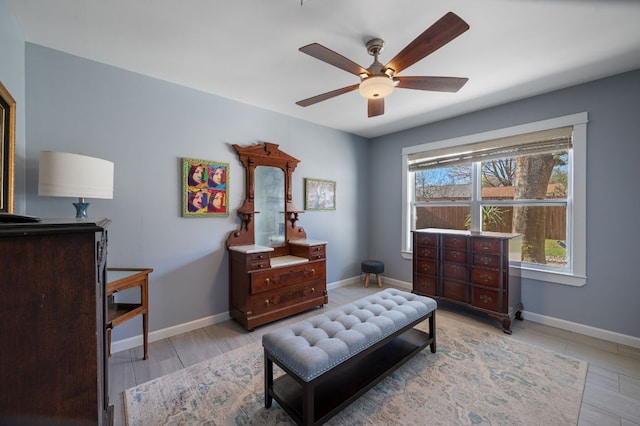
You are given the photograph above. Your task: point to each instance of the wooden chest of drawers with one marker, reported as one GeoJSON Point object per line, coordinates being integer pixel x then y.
{"type": "Point", "coordinates": [478, 270]}
{"type": "Point", "coordinates": [425, 269]}
{"type": "Point", "coordinates": [264, 289]}
{"type": "Point", "coordinates": [53, 361]}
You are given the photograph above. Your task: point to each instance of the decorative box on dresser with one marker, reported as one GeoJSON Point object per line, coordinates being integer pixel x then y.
{"type": "Point", "coordinates": [478, 270]}
{"type": "Point", "coordinates": [275, 271]}
{"type": "Point", "coordinates": [53, 366]}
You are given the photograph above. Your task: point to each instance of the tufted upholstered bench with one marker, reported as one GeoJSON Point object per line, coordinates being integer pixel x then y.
{"type": "Point", "coordinates": [331, 359]}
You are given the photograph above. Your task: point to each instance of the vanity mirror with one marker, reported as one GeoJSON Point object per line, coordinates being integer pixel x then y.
{"type": "Point", "coordinates": [269, 201]}
{"type": "Point", "coordinates": [274, 270]}
{"type": "Point", "coordinates": [267, 212]}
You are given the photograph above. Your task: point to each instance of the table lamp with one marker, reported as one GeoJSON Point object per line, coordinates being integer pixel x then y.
{"type": "Point", "coordinates": [62, 174]}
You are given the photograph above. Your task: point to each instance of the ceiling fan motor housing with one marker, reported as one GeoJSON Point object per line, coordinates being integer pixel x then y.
{"type": "Point", "coordinates": [375, 46]}
{"type": "Point", "coordinates": [376, 84]}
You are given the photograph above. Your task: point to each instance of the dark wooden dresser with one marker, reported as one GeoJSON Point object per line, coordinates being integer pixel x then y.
{"type": "Point", "coordinates": [476, 269]}
{"type": "Point", "coordinates": [274, 270]}
{"type": "Point", "coordinates": [264, 288]}
{"type": "Point", "coordinates": [53, 366]}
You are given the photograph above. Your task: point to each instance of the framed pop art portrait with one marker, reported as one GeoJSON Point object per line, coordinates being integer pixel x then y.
{"type": "Point", "coordinates": [319, 194]}
{"type": "Point", "coordinates": [205, 186]}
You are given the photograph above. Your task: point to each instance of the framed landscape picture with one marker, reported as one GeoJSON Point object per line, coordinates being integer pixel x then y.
{"type": "Point", "coordinates": [205, 187]}
{"type": "Point", "coordinates": [7, 147]}
{"type": "Point", "coordinates": [319, 194]}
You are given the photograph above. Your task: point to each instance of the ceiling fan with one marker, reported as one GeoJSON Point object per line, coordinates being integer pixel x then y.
{"type": "Point", "coordinates": [379, 80]}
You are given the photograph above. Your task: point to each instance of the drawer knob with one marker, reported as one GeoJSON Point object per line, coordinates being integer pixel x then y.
{"type": "Point", "coordinates": [266, 302]}
{"type": "Point", "coordinates": [485, 299]}
{"type": "Point", "coordinates": [267, 281]}
{"type": "Point", "coordinates": [313, 289]}
{"type": "Point", "coordinates": [485, 277]}
{"type": "Point", "coordinates": [485, 246]}
{"type": "Point", "coordinates": [485, 260]}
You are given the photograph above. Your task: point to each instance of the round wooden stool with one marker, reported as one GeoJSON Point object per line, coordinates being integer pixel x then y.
{"type": "Point", "coordinates": [372, 267]}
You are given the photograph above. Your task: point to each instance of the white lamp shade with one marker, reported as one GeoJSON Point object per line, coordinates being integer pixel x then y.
{"type": "Point", "coordinates": [376, 87]}
{"type": "Point", "coordinates": [63, 174]}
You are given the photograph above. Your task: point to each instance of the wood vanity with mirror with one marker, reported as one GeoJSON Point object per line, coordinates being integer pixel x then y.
{"type": "Point", "coordinates": [274, 270]}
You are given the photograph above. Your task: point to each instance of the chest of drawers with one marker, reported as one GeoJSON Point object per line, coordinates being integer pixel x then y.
{"type": "Point", "coordinates": [263, 289]}
{"type": "Point", "coordinates": [53, 361]}
{"type": "Point", "coordinates": [478, 270]}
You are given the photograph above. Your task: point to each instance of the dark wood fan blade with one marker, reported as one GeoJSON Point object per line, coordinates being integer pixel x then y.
{"type": "Point", "coordinates": [442, 32]}
{"type": "Point", "coordinates": [434, 84]}
{"type": "Point", "coordinates": [327, 55]}
{"type": "Point", "coordinates": [328, 95]}
{"type": "Point", "coordinates": [375, 107]}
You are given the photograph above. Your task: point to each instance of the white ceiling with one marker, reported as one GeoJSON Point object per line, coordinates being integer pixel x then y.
{"type": "Point", "coordinates": [247, 50]}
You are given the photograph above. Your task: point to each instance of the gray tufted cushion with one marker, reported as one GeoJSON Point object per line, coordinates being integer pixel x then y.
{"type": "Point", "coordinates": [317, 344]}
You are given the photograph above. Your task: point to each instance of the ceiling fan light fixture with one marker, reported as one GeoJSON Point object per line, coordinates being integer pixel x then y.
{"type": "Point", "coordinates": [376, 87]}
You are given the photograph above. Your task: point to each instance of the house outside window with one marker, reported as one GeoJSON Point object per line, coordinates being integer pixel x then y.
{"type": "Point", "coordinates": [527, 179]}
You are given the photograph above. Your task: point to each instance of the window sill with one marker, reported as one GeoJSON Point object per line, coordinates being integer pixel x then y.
{"type": "Point", "coordinates": [553, 277]}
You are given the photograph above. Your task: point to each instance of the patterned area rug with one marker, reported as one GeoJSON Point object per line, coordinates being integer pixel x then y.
{"type": "Point", "coordinates": [477, 377]}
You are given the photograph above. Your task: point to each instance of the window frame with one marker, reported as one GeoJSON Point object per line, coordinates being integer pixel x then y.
{"type": "Point", "coordinates": [576, 197]}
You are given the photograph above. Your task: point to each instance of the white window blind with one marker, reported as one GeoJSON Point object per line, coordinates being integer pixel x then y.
{"type": "Point", "coordinates": [544, 141]}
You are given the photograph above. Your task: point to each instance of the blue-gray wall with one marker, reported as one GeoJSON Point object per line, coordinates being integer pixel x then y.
{"type": "Point", "coordinates": [145, 126]}
{"type": "Point", "coordinates": [610, 299]}
{"type": "Point", "coordinates": [12, 77]}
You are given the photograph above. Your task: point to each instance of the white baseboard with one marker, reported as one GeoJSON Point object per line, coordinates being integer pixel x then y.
{"type": "Point", "coordinates": [397, 283]}
{"type": "Point", "coordinates": [343, 283]}
{"type": "Point", "coordinates": [360, 280]}
{"type": "Point", "coordinates": [586, 330]}
{"type": "Point", "coordinates": [623, 339]}
{"type": "Point", "coordinates": [132, 342]}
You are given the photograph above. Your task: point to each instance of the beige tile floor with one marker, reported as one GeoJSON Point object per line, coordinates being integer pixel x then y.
{"type": "Point", "coordinates": [611, 395]}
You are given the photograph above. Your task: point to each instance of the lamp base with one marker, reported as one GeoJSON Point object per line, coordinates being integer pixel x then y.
{"type": "Point", "coordinates": [81, 210]}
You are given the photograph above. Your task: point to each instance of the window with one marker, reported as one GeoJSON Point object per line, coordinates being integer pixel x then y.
{"type": "Point", "coordinates": [528, 179]}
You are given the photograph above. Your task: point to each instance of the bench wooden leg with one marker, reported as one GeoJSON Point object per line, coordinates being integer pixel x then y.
{"type": "Point", "coordinates": [432, 331]}
{"type": "Point", "coordinates": [379, 280]}
{"type": "Point", "coordinates": [268, 381]}
{"type": "Point", "coordinates": [307, 404]}
{"type": "Point", "coordinates": [366, 280]}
